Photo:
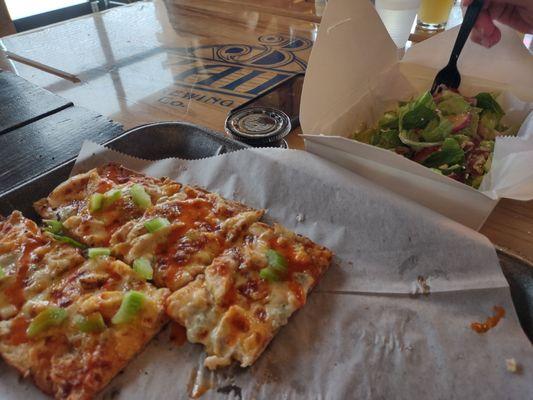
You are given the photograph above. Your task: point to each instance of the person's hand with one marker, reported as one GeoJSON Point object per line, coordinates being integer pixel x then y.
{"type": "Point", "coordinates": [518, 14]}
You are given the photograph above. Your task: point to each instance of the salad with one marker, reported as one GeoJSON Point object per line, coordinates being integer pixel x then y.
{"type": "Point", "coordinates": [451, 134]}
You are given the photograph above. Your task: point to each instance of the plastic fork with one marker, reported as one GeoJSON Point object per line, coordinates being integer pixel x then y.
{"type": "Point", "coordinates": [449, 76]}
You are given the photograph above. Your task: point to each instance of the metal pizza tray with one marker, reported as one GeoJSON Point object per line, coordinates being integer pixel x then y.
{"type": "Point", "coordinates": [183, 140]}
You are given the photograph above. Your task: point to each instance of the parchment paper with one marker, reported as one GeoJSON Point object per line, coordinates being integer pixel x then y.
{"type": "Point", "coordinates": [367, 331]}
{"type": "Point", "coordinates": [351, 80]}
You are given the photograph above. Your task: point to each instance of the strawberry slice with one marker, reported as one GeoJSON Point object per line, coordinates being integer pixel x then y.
{"type": "Point", "coordinates": [421, 155]}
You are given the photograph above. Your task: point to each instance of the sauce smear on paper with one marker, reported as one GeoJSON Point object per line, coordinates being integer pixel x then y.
{"type": "Point", "coordinates": [491, 322]}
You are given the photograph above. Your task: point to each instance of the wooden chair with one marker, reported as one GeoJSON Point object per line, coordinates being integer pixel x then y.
{"type": "Point", "coordinates": [6, 24]}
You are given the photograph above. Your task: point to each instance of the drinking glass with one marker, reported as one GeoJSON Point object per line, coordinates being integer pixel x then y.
{"type": "Point", "coordinates": [433, 14]}
{"type": "Point", "coordinates": [398, 17]}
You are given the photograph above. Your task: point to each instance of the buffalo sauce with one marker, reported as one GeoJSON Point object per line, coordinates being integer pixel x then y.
{"type": "Point", "coordinates": [17, 333]}
{"type": "Point", "coordinates": [116, 173]}
{"type": "Point", "coordinates": [298, 292]}
{"type": "Point", "coordinates": [15, 292]}
{"type": "Point", "coordinates": [178, 334]}
{"type": "Point", "coordinates": [294, 265]}
{"type": "Point", "coordinates": [491, 322]}
{"type": "Point", "coordinates": [174, 253]}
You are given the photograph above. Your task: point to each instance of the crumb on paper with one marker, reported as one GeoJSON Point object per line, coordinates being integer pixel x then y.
{"type": "Point", "coordinates": [300, 217]}
{"type": "Point", "coordinates": [420, 287]}
{"type": "Point", "coordinates": [512, 365]}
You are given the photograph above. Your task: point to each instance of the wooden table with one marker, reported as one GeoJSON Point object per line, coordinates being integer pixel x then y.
{"type": "Point", "coordinates": [195, 60]}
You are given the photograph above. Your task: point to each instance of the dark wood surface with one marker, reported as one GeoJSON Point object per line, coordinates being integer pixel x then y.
{"type": "Point", "coordinates": [6, 24]}
{"type": "Point", "coordinates": [22, 102]}
{"type": "Point", "coordinates": [37, 147]}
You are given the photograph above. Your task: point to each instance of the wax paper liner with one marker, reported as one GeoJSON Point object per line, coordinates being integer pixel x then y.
{"type": "Point", "coordinates": [390, 319]}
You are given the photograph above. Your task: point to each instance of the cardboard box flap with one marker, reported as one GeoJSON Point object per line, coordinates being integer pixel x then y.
{"type": "Point", "coordinates": [508, 63]}
{"type": "Point", "coordinates": [338, 69]}
{"type": "Point", "coordinates": [354, 76]}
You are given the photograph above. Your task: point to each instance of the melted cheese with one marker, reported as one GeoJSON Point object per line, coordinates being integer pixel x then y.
{"type": "Point", "coordinates": [65, 362]}
{"type": "Point", "coordinates": [231, 310]}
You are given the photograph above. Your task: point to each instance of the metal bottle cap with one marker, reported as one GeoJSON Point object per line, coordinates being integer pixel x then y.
{"type": "Point", "coordinates": [258, 126]}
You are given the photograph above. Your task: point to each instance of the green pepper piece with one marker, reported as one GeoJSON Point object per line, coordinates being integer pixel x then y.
{"type": "Point", "coordinates": [139, 196]}
{"type": "Point", "coordinates": [143, 268]}
{"type": "Point", "coordinates": [92, 323]}
{"type": "Point", "coordinates": [95, 202]}
{"type": "Point", "coordinates": [50, 317]}
{"type": "Point", "coordinates": [269, 274]}
{"type": "Point", "coordinates": [131, 305]}
{"type": "Point", "coordinates": [53, 226]}
{"type": "Point", "coordinates": [94, 252]}
{"type": "Point", "coordinates": [156, 224]}
{"type": "Point", "coordinates": [276, 261]}
{"type": "Point", "coordinates": [110, 197]}
{"type": "Point", "coordinates": [66, 239]}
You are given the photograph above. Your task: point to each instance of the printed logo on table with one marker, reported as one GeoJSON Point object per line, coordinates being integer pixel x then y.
{"type": "Point", "coordinates": [226, 75]}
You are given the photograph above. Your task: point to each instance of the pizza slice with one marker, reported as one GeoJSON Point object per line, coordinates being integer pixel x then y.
{"type": "Point", "coordinates": [91, 206]}
{"type": "Point", "coordinates": [29, 262]}
{"type": "Point", "coordinates": [74, 337]}
{"type": "Point", "coordinates": [180, 236]}
{"type": "Point", "coordinates": [246, 294]}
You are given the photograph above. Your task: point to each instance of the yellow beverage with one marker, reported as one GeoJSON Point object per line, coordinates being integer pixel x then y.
{"type": "Point", "coordinates": [434, 13]}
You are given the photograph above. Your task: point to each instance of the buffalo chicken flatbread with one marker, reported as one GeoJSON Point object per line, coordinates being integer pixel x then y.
{"type": "Point", "coordinates": [80, 297]}
{"type": "Point", "coordinates": [237, 305]}
{"type": "Point", "coordinates": [190, 229]}
{"type": "Point", "coordinates": [76, 333]}
{"type": "Point", "coordinates": [93, 205]}
{"type": "Point", "coordinates": [29, 261]}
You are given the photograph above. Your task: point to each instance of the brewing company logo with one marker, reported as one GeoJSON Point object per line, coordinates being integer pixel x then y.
{"type": "Point", "coordinates": [226, 75]}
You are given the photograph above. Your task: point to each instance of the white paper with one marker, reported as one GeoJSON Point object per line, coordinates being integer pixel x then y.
{"type": "Point", "coordinates": [347, 86]}
{"type": "Point", "coordinates": [366, 332]}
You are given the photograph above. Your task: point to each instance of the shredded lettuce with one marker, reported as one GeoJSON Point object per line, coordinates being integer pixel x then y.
{"type": "Point", "coordinates": [449, 133]}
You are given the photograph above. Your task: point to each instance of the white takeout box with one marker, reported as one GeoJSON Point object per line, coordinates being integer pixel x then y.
{"type": "Point", "coordinates": [355, 74]}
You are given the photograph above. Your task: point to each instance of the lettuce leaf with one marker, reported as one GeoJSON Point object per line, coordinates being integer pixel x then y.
{"type": "Point", "coordinates": [437, 131]}
{"type": "Point", "coordinates": [417, 114]}
{"type": "Point", "coordinates": [454, 105]}
{"type": "Point", "coordinates": [365, 136]}
{"type": "Point", "coordinates": [449, 154]}
{"type": "Point", "coordinates": [411, 139]}
{"type": "Point", "coordinates": [418, 118]}
{"type": "Point", "coordinates": [488, 102]}
{"type": "Point", "coordinates": [387, 139]}
{"type": "Point", "coordinates": [389, 120]}
{"type": "Point", "coordinates": [471, 129]}
{"type": "Point", "coordinates": [487, 125]}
